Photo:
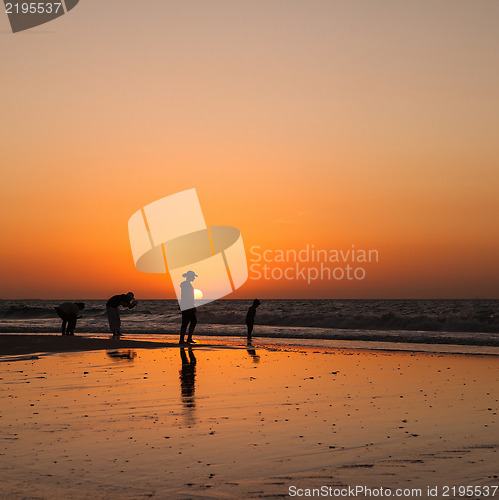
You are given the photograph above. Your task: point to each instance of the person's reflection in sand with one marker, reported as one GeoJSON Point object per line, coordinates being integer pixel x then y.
{"type": "Point", "coordinates": [122, 354]}
{"type": "Point", "coordinates": [187, 384]}
{"type": "Point", "coordinates": [253, 354]}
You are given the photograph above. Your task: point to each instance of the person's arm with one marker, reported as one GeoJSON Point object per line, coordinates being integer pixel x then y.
{"type": "Point", "coordinates": [75, 311]}
{"type": "Point", "coordinates": [130, 303]}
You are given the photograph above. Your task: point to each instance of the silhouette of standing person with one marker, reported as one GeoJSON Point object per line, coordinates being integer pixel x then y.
{"type": "Point", "coordinates": [113, 313]}
{"type": "Point", "coordinates": [187, 307]}
{"type": "Point", "coordinates": [250, 318]}
{"type": "Point", "coordinates": [68, 312]}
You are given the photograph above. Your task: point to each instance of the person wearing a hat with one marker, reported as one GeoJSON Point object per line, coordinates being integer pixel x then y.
{"type": "Point", "coordinates": [187, 307]}
{"type": "Point", "coordinates": [113, 313]}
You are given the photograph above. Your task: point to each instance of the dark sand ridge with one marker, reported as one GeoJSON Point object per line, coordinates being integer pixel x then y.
{"type": "Point", "coordinates": [30, 344]}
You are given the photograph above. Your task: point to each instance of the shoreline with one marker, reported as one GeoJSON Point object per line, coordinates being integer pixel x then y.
{"type": "Point", "coordinates": [12, 345]}
{"type": "Point", "coordinates": [138, 328]}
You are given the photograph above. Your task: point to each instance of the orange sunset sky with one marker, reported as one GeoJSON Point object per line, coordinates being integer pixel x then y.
{"type": "Point", "coordinates": [324, 122]}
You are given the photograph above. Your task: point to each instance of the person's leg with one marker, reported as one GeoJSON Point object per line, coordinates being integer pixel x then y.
{"type": "Point", "coordinates": [193, 322]}
{"type": "Point", "coordinates": [110, 319]}
{"type": "Point", "coordinates": [113, 316]}
{"type": "Point", "coordinates": [117, 327]}
{"type": "Point", "coordinates": [250, 331]}
{"type": "Point", "coordinates": [183, 327]}
{"type": "Point", "coordinates": [71, 325]}
{"type": "Point", "coordinates": [64, 318]}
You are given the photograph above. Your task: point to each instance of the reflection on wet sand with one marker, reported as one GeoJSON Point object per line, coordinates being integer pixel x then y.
{"type": "Point", "coordinates": [122, 354]}
{"type": "Point", "coordinates": [187, 384]}
{"type": "Point", "coordinates": [87, 425]}
{"type": "Point", "coordinates": [253, 354]}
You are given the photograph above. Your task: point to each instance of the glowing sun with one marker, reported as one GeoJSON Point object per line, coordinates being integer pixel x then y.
{"type": "Point", "coordinates": [198, 294]}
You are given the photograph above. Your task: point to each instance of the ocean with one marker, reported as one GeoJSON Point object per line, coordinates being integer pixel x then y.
{"type": "Point", "coordinates": [466, 322]}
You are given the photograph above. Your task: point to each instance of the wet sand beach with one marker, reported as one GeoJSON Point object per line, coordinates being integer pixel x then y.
{"type": "Point", "coordinates": [212, 422]}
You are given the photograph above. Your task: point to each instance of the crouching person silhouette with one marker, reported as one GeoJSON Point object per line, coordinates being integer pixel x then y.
{"type": "Point", "coordinates": [68, 312]}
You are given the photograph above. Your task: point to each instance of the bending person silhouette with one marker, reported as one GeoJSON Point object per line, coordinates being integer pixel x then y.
{"type": "Point", "coordinates": [113, 313]}
{"type": "Point", "coordinates": [187, 307]}
{"type": "Point", "coordinates": [68, 312]}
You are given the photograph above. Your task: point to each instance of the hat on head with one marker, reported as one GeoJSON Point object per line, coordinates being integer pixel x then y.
{"type": "Point", "coordinates": [189, 274]}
